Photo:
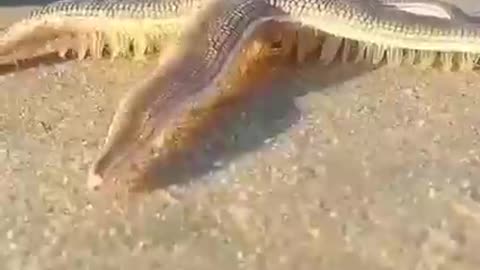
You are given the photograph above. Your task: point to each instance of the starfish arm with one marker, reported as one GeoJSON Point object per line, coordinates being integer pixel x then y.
{"type": "Point", "coordinates": [372, 22]}
{"type": "Point", "coordinates": [152, 119]}
{"type": "Point", "coordinates": [433, 8]}
{"type": "Point", "coordinates": [91, 26]}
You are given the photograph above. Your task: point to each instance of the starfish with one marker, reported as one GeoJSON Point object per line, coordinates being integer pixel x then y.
{"type": "Point", "coordinates": [95, 27]}
{"type": "Point", "coordinates": [213, 41]}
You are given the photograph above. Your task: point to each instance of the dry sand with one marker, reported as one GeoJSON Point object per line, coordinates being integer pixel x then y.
{"type": "Point", "coordinates": [339, 168]}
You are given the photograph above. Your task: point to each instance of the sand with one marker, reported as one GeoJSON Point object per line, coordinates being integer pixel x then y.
{"type": "Point", "coordinates": [326, 168]}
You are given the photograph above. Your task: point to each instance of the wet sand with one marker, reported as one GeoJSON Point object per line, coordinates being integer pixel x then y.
{"type": "Point", "coordinates": [323, 168]}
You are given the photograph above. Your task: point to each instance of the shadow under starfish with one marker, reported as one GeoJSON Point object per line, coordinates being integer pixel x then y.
{"type": "Point", "coordinates": [241, 125]}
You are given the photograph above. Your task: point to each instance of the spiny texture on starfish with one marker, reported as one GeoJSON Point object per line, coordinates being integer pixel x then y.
{"type": "Point", "coordinates": [137, 27]}
{"type": "Point", "coordinates": [118, 27]}
{"type": "Point", "coordinates": [162, 114]}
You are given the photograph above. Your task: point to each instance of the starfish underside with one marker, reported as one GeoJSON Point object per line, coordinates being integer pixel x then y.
{"type": "Point", "coordinates": [208, 48]}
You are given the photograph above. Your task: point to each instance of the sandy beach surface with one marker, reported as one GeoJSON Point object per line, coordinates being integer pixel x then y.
{"type": "Point", "coordinates": [342, 167]}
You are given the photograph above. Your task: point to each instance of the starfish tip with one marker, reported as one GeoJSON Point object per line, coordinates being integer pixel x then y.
{"type": "Point", "coordinates": [94, 181]}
